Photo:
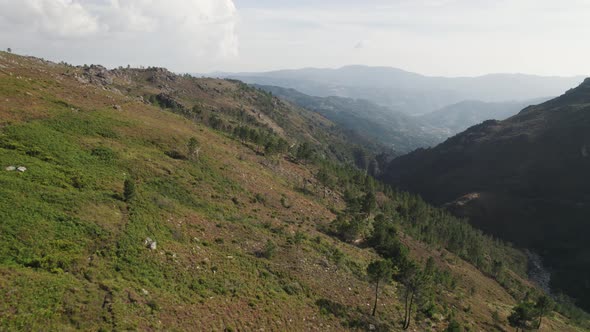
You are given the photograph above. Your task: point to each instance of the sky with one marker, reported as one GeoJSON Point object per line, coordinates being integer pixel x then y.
{"type": "Point", "coordinates": [431, 37]}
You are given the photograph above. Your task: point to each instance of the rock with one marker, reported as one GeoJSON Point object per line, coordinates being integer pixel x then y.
{"type": "Point", "coordinates": [144, 291]}
{"type": "Point", "coordinates": [98, 75]}
{"type": "Point", "coordinates": [150, 244]}
{"type": "Point", "coordinates": [372, 327]}
{"type": "Point", "coordinates": [21, 169]}
{"type": "Point", "coordinates": [117, 107]}
{"type": "Point", "coordinates": [11, 168]}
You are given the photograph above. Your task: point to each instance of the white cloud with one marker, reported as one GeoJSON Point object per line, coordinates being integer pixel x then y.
{"type": "Point", "coordinates": [180, 34]}
{"type": "Point", "coordinates": [54, 19]}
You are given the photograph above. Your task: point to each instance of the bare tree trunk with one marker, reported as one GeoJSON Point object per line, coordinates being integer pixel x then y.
{"type": "Point", "coordinates": [407, 324]}
{"type": "Point", "coordinates": [375, 305]}
{"type": "Point", "coordinates": [406, 308]}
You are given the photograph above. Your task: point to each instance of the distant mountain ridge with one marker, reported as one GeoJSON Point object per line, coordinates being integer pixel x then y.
{"type": "Point", "coordinates": [525, 179]}
{"type": "Point", "coordinates": [408, 92]}
{"type": "Point", "coordinates": [394, 130]}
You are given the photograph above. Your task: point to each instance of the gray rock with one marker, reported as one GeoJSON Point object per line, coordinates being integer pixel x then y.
{"type": "Point", "coordinates": [21, 169]}
{"type": "Point", "coordinates": [11, 168]}
{"type": "Point", "coordinates": [150, 244]}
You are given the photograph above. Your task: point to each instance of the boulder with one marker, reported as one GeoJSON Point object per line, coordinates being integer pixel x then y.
{"type": "Point", "coordinates": [150, 244]}
{"type": "Point", "coordinates": [21, 169]}
{"type": "Point", "coordinates": [11, 168]}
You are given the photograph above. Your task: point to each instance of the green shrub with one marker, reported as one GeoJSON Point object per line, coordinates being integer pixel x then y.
{"type": "Point", "coordinates": [104, 153]}
{"type": "Point", "coordinates": [128, 190]}
{"type": "Point", "coordinates": [269, 249]}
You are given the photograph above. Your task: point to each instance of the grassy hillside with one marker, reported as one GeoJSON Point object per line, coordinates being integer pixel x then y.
{"type": "Point", "coordinates": [117, 225]}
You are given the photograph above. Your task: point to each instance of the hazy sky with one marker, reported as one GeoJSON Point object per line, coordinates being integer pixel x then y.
{"type": "Point", "coordinates": [434, 37]}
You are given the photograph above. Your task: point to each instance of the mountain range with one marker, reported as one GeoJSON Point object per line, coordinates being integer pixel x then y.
{"type": "Point", "coordinates": [407, 92]}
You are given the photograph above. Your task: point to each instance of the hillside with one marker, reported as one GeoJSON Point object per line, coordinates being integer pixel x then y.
{"type": "Point", "coordinates": [455, 118]}
{"type": "Point", "coordinates": [137, 199]}
{"type": "Point", "coordinates": [394, 130]}
{"type": "Point", "coordinates": [407, 92]}
{"type": "Point", "coordinates": [524, 179]}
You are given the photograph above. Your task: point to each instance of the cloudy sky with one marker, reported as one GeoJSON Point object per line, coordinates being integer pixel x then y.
{"type": "Point", "coordinates": [434, 37]}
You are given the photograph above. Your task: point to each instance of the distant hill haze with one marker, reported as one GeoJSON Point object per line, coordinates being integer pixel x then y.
{"type": "Point", "coordinates": [393, 130]}
{"type": "Point", "coordinates": [525, 179]}
{"type": "Point", "coordinates": [455, 118]}
{"type": "Point", "coordinates": [408, 92]}
{"type": "Point", "coordinates": [396, 130]}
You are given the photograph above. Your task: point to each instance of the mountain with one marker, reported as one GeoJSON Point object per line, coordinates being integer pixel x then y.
{"type": "Point", "coordinates": [524, 179]}
{"type": "Point", "coordinates": [394, 130]}
{"type": "Point", "coordinates": [408, 92]}
{"type": "Point", "coordinates": [458, 117]}
{"type": "Point", "coordinates": [139, 199]}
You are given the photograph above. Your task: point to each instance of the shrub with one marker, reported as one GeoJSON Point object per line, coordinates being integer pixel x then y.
{"type": "Point", "coordinates": [128, 190]}
{"type": "Point", "coordinates": [104, 153]}
{"type": "Point", "coordinates": [269, 249]}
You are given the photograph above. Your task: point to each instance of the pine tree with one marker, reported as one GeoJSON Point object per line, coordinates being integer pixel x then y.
{"type": "Point", "coordinates": [522, 316]}
{"type": "Point", "coordinates": [414, 282]}
{"type": "Point", "coordinates": [379, 271]}
{"type": "Point", "coordinates": [543, 306]}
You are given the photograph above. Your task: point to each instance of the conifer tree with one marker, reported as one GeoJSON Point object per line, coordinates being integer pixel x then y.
{"type": "Point", "coordinates": [379, 271]}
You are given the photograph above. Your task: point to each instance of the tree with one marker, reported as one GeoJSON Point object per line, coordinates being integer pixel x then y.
{"type": "Point", "coordinates": [193, 148]}
{"type": "Point", "coordinates": [9, 50]}
{"type": "Point", "coordinates": [497, 268]}
{"type": "Point", "coordinates": [522, 316]}
{"type": "Point", "coordinates": [454, 326]}
{"type": "Point", "coordinates": [369, 203]}
{"type": "Point", "coordinates": [270, 148]}
{"type": "Point", "coordinates": [413, 279]}
{"type": "Point", "coordinates": [324, 178]}
{"type": "Point", "coordinates": [304, 151]}
{"type": "Point", "coordinates": [361, 160]}
{"type": "Point", "coordinates": [385, 241]}
{"type": "Point", "coordinates": [379, 271]}
{"type": "Point", "coordinates": [543, 306]}
{"type": "Point", "coordinates": [128, 190]}
{"type": "Point", "coordinates": [350, 229]}
{"type": "Point", "coordinates": [282, 145]}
